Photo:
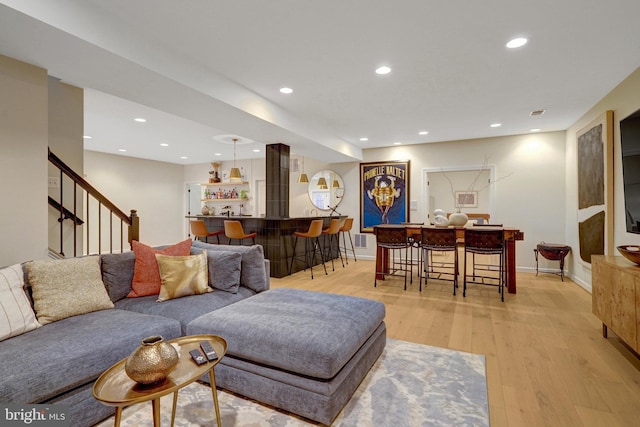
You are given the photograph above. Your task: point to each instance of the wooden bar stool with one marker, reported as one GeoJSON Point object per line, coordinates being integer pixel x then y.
{"type": "Point", "coordinates": [332, 231]}
{"type": "Point", "coordinates": [485, 242]}
{"type": "Point", "coordinates": [389, 241]}
{"type": "Point", "coordinates": [344, 230]}
{"type": "Point", "coordinates": [234, 230]}
{"type": "Point", "coordinates": [439, 240]}
{"type": "Point", "coordinates": [199, 229]}
{"type": "Point", "coordinates": [311, 236]}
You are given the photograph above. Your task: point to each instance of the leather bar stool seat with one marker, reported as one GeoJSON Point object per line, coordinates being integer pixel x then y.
{"type": "Point", "coordinates": [234, 230]}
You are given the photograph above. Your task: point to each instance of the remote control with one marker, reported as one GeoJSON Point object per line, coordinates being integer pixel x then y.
{"type": "Point", "coordinates": [197, 357]}
{"type": "Point", "coordinates": [208, 350]}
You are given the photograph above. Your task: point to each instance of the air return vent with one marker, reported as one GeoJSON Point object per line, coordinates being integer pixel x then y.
{"type": "Point", "coordinates": [360, 240]}
{"type": "Point", "coordinates": [536, 113]}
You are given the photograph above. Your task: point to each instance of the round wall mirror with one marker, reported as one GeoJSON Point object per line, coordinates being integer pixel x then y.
{"type": "Point", "coordinates": [326, 189]}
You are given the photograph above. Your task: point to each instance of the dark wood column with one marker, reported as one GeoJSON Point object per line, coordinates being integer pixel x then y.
{"type": "Point", "coordinates": [277, 181]}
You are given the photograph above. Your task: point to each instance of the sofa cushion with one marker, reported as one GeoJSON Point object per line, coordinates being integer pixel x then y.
{"type": "Point", "coordinates": [308, 333]}
{"type": "Point", "coordinates": [69, 353]}
{"type": "Point", "coordinates": [224, 269]}
{"type": "Point", "coordinates": [184, 309]}
{"type": "Point", "coordinates": [146, 276]}
{"type": "Point", "coordinates": [253, 273]}
{"type": "Point", "coordinates": [67, 287]}
{"type": "Point", "coordinates": [182, 276]}
{"type": "Point", "coordinates": [16, 314]}
{"type": "Point", "coordinates": [117, 273]}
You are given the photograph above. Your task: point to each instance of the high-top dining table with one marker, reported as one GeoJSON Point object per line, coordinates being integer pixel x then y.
{"type": "Point", "coordinates": [511, 235]}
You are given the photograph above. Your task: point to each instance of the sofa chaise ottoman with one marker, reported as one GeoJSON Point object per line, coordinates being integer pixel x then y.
{"type": "Point", "coordinates": [302, 351]}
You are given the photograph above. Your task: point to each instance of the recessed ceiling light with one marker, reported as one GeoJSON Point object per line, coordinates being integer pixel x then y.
{"type": "Point", "coordinates": [383, 70]}
{"type": "Point", "coordinates": [164, 144]}
{"type": "Point", "coordinates": [397, 143]}
{"type": "Point", "coordinates": [496, 125]}
{"type": "Point", "coordinates": [122, 150]}
{"type": "Point", "coordinates": [517, 42]}
{"type": "Point", "coordinates": [286, 90]}
{"type": "Point", "coordinates": [217, 154]}
{"type": "Point", "coordinates": [87, 137]}
{"type": "Point", "coordinates": [424, 132]}
{"type": "Point", "coordinates": [256, 150]}
{"type": "Point", "coordinates": [140, 119]}
{"type": "Point", "coordinates": [184, 157]}
{"type": "Point", "coordinates": [364, 138]}
{"type": "Point", "coordinates": [536, 130]}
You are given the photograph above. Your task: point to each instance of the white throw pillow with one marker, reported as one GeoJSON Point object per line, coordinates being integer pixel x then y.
{"type": "Point", "coordinates": [16, 314]}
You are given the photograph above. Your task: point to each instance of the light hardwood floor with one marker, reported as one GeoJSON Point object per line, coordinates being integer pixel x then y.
{"type": "Point", "coordinates": [547, 362]}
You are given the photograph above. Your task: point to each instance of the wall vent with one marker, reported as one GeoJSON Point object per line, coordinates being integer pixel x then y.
{"type": "Point", "coordinates": [536, 113]}
{"type": "Point", "coordinates": [360, 240]}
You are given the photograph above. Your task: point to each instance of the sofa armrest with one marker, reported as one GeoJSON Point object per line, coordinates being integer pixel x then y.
{"type": "Point", "coordinates": [267, 273]}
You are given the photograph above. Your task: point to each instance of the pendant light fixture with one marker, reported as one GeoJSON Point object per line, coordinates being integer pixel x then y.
{"type": "Point", "coordinates": [303, 178]}
{"type": "Point", "coordinates": [322, 183]}
{"type": "Point", "coordinates": [335, 184]}
{"type": "Point", "coordinates": [234, 175]}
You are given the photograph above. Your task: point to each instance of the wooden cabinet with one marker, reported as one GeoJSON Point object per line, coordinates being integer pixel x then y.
{"type": "Point", "coordinates": [616, 297]}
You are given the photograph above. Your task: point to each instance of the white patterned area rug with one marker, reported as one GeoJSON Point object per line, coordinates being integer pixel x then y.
{"type": "Point", "coordinates": [409, 385]}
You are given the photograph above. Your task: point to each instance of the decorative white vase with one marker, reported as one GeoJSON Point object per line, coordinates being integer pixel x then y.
{"type": "Point", "coordinates": [458, 219]}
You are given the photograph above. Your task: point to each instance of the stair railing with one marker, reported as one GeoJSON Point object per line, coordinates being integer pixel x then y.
{"type": "Point", "coordinates": [90, 194]}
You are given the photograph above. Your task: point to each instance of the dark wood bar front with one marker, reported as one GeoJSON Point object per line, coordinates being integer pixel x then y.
{"type": "Point", "coordinates": [274, 234]}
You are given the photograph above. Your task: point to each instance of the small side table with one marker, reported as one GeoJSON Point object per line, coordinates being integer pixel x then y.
{"type": "Point", "coordinates": [552, 252]}
{"type": "Point", "coordinates": [115, 388]}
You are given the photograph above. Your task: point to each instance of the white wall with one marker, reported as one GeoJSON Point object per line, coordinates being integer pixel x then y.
{"type": "Point", "coordinates": [532, 198]}
{"type": "Point", "coordinates": [154, 189]}
{"type": "Point", "coordinates": [66, 124]}
{"type": "Point", "coordinates": [23, 161]}
{"type": "Point", "coordinates": [623, 100]}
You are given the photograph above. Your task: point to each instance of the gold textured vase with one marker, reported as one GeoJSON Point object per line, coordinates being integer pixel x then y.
{"type": "Point", "coordinates": [152, 361]}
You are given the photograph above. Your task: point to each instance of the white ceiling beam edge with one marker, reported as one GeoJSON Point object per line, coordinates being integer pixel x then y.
{"type": "Point", "coordinates": [155, 79]}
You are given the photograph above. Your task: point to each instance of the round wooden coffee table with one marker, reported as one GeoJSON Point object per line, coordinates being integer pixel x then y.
{"type": "Point", "coordinates": [115, 388]}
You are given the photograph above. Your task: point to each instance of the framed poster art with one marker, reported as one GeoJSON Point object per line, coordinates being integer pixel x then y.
{"type": "Point", "coordinates": [384, 194]}
{"type": "Point", "coordinates": [595, 187]}
{"type": "Point", "coordinates": [466, 199]}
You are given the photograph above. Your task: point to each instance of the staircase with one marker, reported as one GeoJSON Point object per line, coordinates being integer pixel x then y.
{"type": "Point", "coordinates": [87, 222]}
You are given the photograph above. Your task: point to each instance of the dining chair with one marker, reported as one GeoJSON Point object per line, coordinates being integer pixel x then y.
{"type": "Point", "coordinates": [437, 239]}
{"type": "Point", "coordinates": [199, 230]}
{"type": "Point", "coordinates": [234, 230]}
{"type": "Point", "coordinates": [392, 241]}
{"type": "Point", "coordinates": [312, 238]}
{"type": "Point", "coordinates": [485, 242]}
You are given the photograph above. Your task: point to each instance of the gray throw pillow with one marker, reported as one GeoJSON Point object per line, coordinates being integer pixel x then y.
{"type": "Point", "coordinates": [252, 274]}
{"type": "Point", "coordinates": [117, 274]}
{"type": "Point", "coordinates": [224, 269]}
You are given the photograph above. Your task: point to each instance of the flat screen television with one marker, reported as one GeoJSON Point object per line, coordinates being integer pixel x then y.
{"type": "Point", "coordinates": [630, 141]}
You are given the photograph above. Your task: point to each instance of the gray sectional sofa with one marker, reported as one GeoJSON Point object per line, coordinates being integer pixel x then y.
{"type": "Point", "coordinates": [58, 362]}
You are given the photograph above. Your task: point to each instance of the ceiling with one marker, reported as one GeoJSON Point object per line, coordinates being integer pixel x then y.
{"type": "Point", "coordinates": [200, 69]}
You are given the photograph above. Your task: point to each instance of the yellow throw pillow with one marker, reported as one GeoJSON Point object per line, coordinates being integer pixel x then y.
{"type": "Point", "coordinates": [183, 275]}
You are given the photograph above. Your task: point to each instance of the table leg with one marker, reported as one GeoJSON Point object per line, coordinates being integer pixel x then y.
{"type": "Point", "coordinates": [214, 392]}
{"type": "Point", "coordinates": [173, 410]}
{"type": "Point", "coordinates": [155, 404]}
{"type": "Point", "coordinates": [511, 266]}
{"type": "Point", "coordinates": [382, 262]}
{"type": "Point", "coordinates": [118, 416]}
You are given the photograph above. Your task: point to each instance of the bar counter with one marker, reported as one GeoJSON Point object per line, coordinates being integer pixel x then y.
{"type": "Point", "coordinates": [274, 234]}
